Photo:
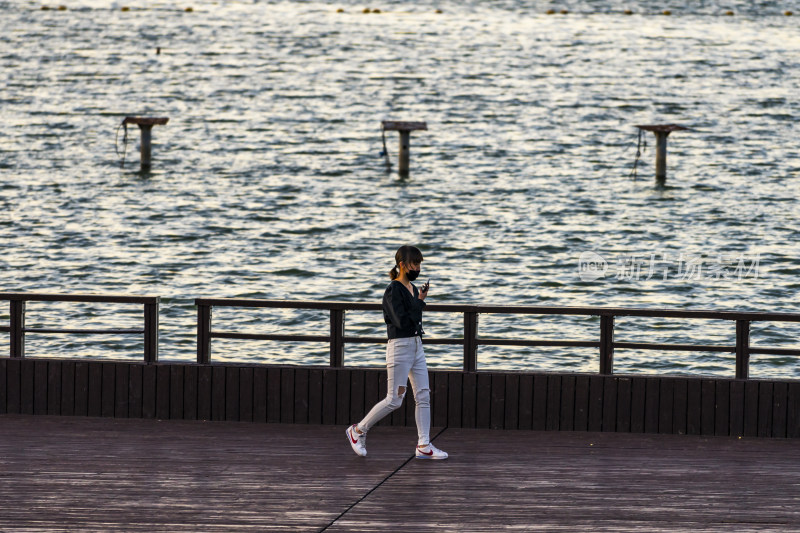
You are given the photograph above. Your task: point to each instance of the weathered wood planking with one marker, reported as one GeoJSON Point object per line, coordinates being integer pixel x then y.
{"type": "Point", "coordinates": [94, 474]}
{"type": "Point", "coordinates": [314, 395]}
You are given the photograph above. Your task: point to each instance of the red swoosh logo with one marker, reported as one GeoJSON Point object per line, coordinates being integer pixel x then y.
{"type": "Point", "coordinates": [355, 441]}
{"type": "Point", "coordinates": [429, 453]}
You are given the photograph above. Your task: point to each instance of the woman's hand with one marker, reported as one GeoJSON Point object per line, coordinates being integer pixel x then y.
{"type": "Point", "coordinates": [423, 292]}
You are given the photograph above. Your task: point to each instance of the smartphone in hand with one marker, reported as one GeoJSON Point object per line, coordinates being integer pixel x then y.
{"type": "Point", "coordinates": [427, 285]}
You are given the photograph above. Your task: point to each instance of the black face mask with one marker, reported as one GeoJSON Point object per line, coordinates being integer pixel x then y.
{"type": "Point", "coordinates": [412, 275]}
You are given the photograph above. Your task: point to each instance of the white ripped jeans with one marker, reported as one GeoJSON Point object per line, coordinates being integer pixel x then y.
{"type": "Point", "coordinates": [405, 359]}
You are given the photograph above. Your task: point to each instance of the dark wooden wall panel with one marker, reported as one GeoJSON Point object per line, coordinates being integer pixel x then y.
{"type": "Point", "coordinates": [736, 417]}
{"type": "Point", "coordinates": [108, 392]}
{"type": "Point", "coordinates": [511, 416]}
{"type": "Point", "coordinates": [260, 394]}
{"type": "Point", "coordinates": [95, 389]}
{"type": "Point", "coordinates": [176, 377]}
{"type": "Point", "coordinates": [149, 386]}
{"type": "Point", "coordinates": [40, 387]}
{"type": "Point", "coordinates": [54, 388]}
{"type": "Point", "coordinates": [190, 392]}
{"type": "Point", "coordinates": [246, 385]}
{"type": "Point", "coordinates": [27, 386]}
{"type": "Point", "coordinates": [624, 391]}
{"type": "Point", "coordinates": [680, 401]}
{"type": "Point", "coordinates": [218, 393]}
{"type": "Point", "coordinates": [722, 410]}
{"type": "Point", "coordinates": [751, 408]}
{"type": "Point", "coordinates": [301, 376]}
{"type": "Point", "coordinates": [439, 397]}
{"type": "Point", "coordinates": [469, 415]}
{"type": "Point", "coordinates": [122, 390]}
{"type": "Point", "coordinates": [609, 422]}
{"type": "Point", "coordinates": [793, 410]}
{"type": "Point", "coordinates": [454, 399]}
{"type": "Point", "coordinates": [357, 392]}
{"type": "Point", "coordinates": [13, 386]}
{"type": "Point", "coordinates": [135, 391]}
{"type": "Point", "coordinates": [765, 408]}
{"type": "Point", "coordinates": [507, 400]}
{"type": "Point", "coordinates": [566, 420]}
{"type": "Point", "coordinates": [231, 411]}
{"type": "Point", "coordinates": [779, 396]}
{"type": "Point", "coordinates": [596, 386]}
{"type": "Point", "coordinates": [497, 408]}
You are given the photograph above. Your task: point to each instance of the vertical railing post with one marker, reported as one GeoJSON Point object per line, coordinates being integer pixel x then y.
{"type": "Point", "coordinates": [742, 349]}
{"type": "Point", "coordinates": [17, 328]}
{"type": "Point", "coordinates": [203, 334]}
{"type": "Point", "coordinates": [606, 344]}
{"type": "Point", "coordinates": [151, 332]}
{"type": "Point", "coordinates": [470, 341]}
{"type": "Point", "coordinates": [337, 337]}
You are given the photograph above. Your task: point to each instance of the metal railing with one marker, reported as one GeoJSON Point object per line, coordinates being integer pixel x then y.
{"type": "Point", "coordinates": [471, 340]}
{"type": "Point", "coordinates": [17, 328]}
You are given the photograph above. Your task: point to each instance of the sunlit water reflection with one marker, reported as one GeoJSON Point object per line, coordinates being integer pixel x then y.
{"type": "Point", "coordinates": [268, 182]}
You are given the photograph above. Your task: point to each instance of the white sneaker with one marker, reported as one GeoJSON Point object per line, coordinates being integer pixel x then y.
{"type": "Point", "coordinates": [429, 451]}
{"type": "Point", "coordinates": [358, 441]}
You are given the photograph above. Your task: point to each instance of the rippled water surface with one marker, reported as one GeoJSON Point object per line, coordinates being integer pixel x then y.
{"type": "Point", "coordinates": [268, 181]}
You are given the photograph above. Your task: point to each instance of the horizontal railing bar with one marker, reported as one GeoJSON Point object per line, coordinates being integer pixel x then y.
{"type": "Point", "coordinates": [774, 351]}
{"type": "Point", "coordinates": [522, 342]}
{"type": "Point", "coordinates": [5, 329]}
{"type": "Point", "coordinates": [508, 309]}
{"type": "Point", "coordinates": [675, 347]}
{"type": "Point", "coordinates": [269, 337]}
{"type": "Point", "coordinates": [383, 340]}
{"type": "Point", "coordinates": [106, 298]}
{"type": "Point", "coordinates": [86, 331]}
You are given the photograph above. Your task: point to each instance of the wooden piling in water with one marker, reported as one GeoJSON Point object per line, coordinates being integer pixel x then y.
{"type": "Point", "coordinates": [661, 132]}
{"type": "Point", "coordinates": [405, 129]}
{"type": "Point", "coordinates": [146, 126]}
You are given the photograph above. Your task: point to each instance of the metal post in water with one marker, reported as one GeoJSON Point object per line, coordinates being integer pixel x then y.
{"type": "Point", "coordinates": [662, 132]}
{"type": "Point", "coordinates": [145, 126]}
{"type": "Point", "coordinates": [405, 129]}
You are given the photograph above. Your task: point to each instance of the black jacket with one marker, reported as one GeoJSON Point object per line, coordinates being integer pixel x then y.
{"type": "Point", "coordinates": [402, 312]}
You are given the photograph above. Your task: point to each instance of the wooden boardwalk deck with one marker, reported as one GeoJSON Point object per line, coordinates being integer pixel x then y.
{"type": "Point", "coordinates": [93, 474]}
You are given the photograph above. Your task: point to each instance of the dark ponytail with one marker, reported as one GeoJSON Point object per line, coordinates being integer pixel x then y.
{"type": "Point", "coordinates": [407, 254]}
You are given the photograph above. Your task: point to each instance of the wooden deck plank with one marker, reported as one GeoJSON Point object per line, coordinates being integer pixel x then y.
{"type": "Point", "coordinates": [88, 474]}
{"type": "Point", "coordinates": [535, 481]}
{"type": "Point", "coordinates": [78, 473]}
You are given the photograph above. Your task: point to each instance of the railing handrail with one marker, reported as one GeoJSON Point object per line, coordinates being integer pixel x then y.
{"type": "Point", "coordinates": [471, 340]}
{"type": "Point", "coordinates": [17, 329]}
{"type": "Point", "coordinates": [100, 298]}
{"type": "Point", "coordinates": [752, 316]}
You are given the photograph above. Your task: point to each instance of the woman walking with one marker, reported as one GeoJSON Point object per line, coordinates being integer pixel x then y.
{"type": "Point", "coordinates": [402, 311]}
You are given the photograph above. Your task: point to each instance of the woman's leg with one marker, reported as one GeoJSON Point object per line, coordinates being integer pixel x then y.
{"type": "Point", "coordinates": [399, 359]}
{"type": "Point", "coordinates": [422, 394]}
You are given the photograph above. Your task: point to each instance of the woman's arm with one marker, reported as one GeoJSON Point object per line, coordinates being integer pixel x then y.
{"type": "Point", "coordinates": [394, 307]}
